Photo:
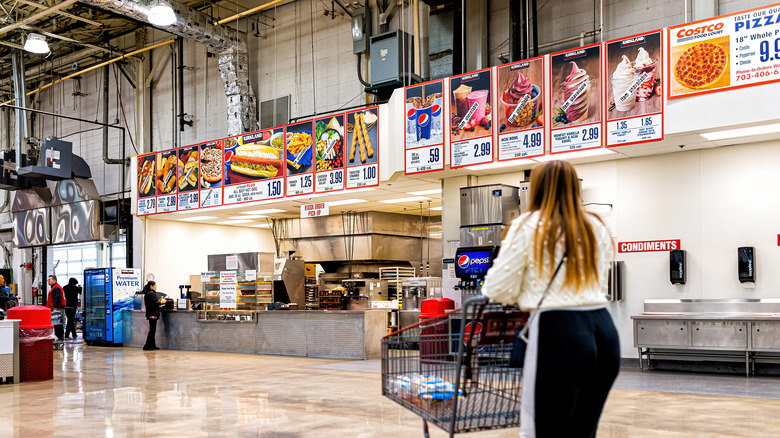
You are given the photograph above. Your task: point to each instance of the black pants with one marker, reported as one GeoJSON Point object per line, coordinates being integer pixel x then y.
{"type": "Point", "coordinates": [152, 331]}
{"type": "Point", "coordinates": [572, 360]}
{"type": "Point", "coordinates": [70, 312]}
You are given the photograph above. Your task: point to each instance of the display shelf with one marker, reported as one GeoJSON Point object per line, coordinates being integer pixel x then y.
{"type": "Point", "coordinates": [251, 295]}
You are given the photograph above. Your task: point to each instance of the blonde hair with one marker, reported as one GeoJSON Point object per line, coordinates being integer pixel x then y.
{"type": "Point", "coordinates": [555, 194]}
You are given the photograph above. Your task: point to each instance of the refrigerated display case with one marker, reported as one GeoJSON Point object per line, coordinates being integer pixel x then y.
{"type": "Point", "coordinates": [253, 292]}
{"type": "Point", "coordinates": [108, 293]}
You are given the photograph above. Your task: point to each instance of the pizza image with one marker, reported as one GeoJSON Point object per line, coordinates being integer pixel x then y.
{"type": "Point", "coordinates": [701, 65]}
{"type": "Point", "coordinates": [211, 165]}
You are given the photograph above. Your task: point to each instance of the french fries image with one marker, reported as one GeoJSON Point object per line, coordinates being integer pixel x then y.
{"type": "Point", "coordinates": [369, 149]}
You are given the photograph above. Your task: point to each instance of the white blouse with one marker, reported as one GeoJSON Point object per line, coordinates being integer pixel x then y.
{"type": "Point", "coordinates": [514, 277]}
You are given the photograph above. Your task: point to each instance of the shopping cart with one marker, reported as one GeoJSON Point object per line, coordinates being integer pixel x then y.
{"type": "Point", "coordinates": [455, 370]}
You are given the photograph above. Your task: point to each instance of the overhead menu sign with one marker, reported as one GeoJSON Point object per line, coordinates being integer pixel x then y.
{"type": "Point", "coordinates": [424, 124]}
{"type": "Point", "coordinates": [725, 52]}
{"type": "Point", "coordinates": [189, 177]}
{"type": "Point", "coordinates": [329, 154]}
{"type": "Point", "coordinates": [471, 119]}
{"type": "Point", "coordinates": [520, 109]}
{"type": "Point", "coordinates": [575, 97]}
{"type": "Point", "coordinates": [254, 166]}
{"type": "Point", "coordinates": [634, 106]}
{"type": "Point", "coordinates": [363, 148]}
{"type": "Point", "coordinates": [211, 174]}
{"type": "Point", "coordinates": [147, 171]}
{"type": "Point", "coordinates": [300, 159]}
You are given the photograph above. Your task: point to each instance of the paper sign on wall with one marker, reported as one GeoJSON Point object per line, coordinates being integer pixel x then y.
{"type": "Point", "coordinates": [227, 290]}
{"type": "Point", "coordinates": [231, 262]}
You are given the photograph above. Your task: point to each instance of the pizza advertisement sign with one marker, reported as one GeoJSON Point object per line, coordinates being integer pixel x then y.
{"type": "Point", "coordinates": [424, 127]}
{"type": "Point", "coordinates": [329, 153]}
{"type": "Point", "coordinates": [575, 97]}
{"type": "Point", "coordinates": [634, 105]}
{"type": "Point", "coordinates": [147, 203]}
{"type": "Point", "coordinates": [471, 119]}
{"type": "Point", "coordinates": [189, 176]}
{"type": "Point", "coordinates": [299, 150]}
{"type": "Point", "coordinates": [254, 166]}
{"type": "Point", "coordinates": [520, 109]}
{"type": "Point", "coordinates": [211, 174]}
{"type": "Point", "coordinates": [726, 52]}
{"type": "Point", "coordinates": [363, 148]}
{"type": "Point", "coordinates": [165, 180]}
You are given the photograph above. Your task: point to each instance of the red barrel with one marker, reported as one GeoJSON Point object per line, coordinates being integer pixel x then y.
{"type": "Point", "coordinates": [434, 329]}
{"type": "Point", "coordinates": [36, 342]}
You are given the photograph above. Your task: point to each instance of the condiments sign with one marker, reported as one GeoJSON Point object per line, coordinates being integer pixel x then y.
{"type": "Point", "coordinates": [649, 245]}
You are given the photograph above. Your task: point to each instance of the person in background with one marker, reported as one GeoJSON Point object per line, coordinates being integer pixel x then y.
{"type": "Point", "coordinates": [56, 302]}
{"type": "Point", "coordinates": [5, 294]}
{"type": "Point", "coordinates": [72, 293]}
{"type": "Point", "coordinates": [152, 313]}
{"type": "Point", "coordinates": [554, 262]}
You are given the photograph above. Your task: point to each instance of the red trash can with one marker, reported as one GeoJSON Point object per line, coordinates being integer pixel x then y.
{"type": "Point", "coordinates": [36, 342]}
{"type": "Point", "coordinates": [434, 329]}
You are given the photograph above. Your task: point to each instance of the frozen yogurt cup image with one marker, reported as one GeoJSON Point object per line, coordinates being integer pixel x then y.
{"type": "Point", "coordinates": [576, 94]}
{"type": "Point", "coordinates": [645, 64]}
{"type": "Point", "coordinates": [514, 95]}
{"type": "Point", "coordinates": [622, 82]}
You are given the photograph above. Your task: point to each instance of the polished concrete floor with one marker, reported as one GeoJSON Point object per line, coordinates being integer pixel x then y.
{"type": "Point", "coordinates": [117, 392]}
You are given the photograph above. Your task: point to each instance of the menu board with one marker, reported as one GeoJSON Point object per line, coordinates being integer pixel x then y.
{"type": "Point", "coordinates": [521, 109]}
{"type": "Point", "coordinates": [634, 105]}
{"type": "Point", "coordinates": [211, 174]}
{"type": "Point", "coordinates": [299, 149]}
{"type": "Point", "coordinates": [189, 174]}
{"type": "Point", "coordinates": [424, 137]}
{"type": "Point", "coordinates": [575, 96]}
{"type": "Point", "coordinates": [329, 154]}
{"type": "Point", "coordinates": [725, 52]}
{"type": "Point", "coordinates": [165, 180]}
{"type": "Point", "coordinates": [471, 115]}
{"type": "Point", "coordinates": [147, 203]}
{"type": "Point", "coordinates": [254, 169]}
{"type": "Point", "coordinates": [363, 148]}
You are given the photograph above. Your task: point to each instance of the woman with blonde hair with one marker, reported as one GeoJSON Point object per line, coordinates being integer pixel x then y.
{"type": "Point", "coordinates": [554, 262]}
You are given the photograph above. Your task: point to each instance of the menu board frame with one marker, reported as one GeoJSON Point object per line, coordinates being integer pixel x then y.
{"type": "Point", "coordinates": [641, 119]}
{"type": "Point", "coordinates": [141, 161]}
{"type": "Point", "coordinates": [253, 183]}
{"type": "Point", "coordinates": [455, 143]}
{"type": "Point", "coordinates": [329, 175]}
{"type": "Point", "coordinates": [189, 194]}
{"type": "Point", "coordinates": [541, 101]}
{"type": "Point", "coordinates": [296, 170]}
{"type": "Point", "coordinates": [209, 189]}
{"type": "Point", "coordinates": [550, 113]}
{"type": "Point", "coordinates": [772, 73]}
{"type": "Point", "coordinates": [430, 149]}
{"type": "Point", "coordinates": [366, 177]}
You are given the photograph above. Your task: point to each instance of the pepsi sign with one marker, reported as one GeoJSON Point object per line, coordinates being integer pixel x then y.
{"type": "Point", "coordinates": [473, 263]}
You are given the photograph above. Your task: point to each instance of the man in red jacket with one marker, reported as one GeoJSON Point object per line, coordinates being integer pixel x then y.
{"type": "Point", "coordinates": [56, 302]}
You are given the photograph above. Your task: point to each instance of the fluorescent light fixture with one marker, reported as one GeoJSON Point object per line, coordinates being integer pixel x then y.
{"type": "Point", "coordinates": [346, 202]}
{"type": "Point", "coordinates": [36, 43]}
{"type": "Point", "coordinates": [576, 154]}
{"type": "Point", "coordinates": [266, 211]}
{"type": "Point", "coordinates": [436, 208]}
{"type": "Point", "coordinates": [740, 132]}
{"type": "Point", "coordinates": [197, 218]}
{"type": "Point", "coordinates": [261, 226]}
{"type": "Point", "coordinates": [498, 165]}
{"type": "Point", "coordinates": [425, 192]}
{"type": "Point", "coordinates": [362, 189]}
{"type": "Point", "coordinates": [160, 13]}
{"type": "Point", "coordinates": [409, 199]}
{"type": "Point", "coordinates": [257, 216]}
{"type": "Point", "coordinates": [238, 221]}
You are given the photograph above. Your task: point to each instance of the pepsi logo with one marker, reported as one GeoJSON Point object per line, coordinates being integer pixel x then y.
{"type": "Point", "coordinates": [228, 155]}
{"type": "Point", "coordinates": [410, 114]}
{"type": "Point", "coordinates": [463, 261]}
{"type": "Point", "coordinates": [436, 110]}
{"type": "Point", "coordinates": [424, 119]}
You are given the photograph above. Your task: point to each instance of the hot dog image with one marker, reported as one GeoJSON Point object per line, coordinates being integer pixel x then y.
{"type": "Point", "coordinates": [146, 177]}
{"type": "Point", "coordinates": [256, 160]}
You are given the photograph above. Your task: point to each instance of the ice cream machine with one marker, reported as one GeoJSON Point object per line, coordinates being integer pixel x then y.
{"type": "Point", "coordinates": [418, 289]}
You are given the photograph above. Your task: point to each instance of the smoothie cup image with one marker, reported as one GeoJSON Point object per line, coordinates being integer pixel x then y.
{"type": "Point", "coordinates": [526, 114]}
{"type": "Point", "coordinates": [461, 100]}
{"type": "Point", "coordinates": [480, 98]}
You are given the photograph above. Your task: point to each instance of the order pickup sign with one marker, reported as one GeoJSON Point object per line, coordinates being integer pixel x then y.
{"type": "Point", "coordinates": [314, 210]}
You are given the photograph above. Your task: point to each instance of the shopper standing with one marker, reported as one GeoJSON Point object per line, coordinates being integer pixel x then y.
{"type": "Point", "coordinates": [72, 293]}
{"type": "Point", "coordinates": [152, 313]}
{"type": "Point", "coordinates": [573, 353]}
{"type": "Point", "coordinates": [56, 302]}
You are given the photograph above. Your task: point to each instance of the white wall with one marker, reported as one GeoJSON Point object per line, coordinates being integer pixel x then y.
{"type": "Point", "coordinates": [175, 250]}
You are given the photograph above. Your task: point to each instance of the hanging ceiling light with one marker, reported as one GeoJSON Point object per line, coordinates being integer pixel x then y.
{"type": "Point", "coordinates": [161, 13]}
{"type": "Point", "coordinates": [36, 43]}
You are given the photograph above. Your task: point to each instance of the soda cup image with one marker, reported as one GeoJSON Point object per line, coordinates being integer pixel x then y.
{"type": "Point", "coordinates": [423, 123]}
{"type": "Point", "coordinates": [423, 126]}
{"type": "Point", "coordinates": [436, 117]}
{"type": "Point", "coordinates": [411, 117]}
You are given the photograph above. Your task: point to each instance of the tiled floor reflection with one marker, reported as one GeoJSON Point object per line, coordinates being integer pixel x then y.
{"type": "Point", "coordinates": [115, 392]}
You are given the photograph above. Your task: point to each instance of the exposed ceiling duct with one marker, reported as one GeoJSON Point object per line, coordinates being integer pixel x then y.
{"type": "Point", "coordinates": [230, 47]}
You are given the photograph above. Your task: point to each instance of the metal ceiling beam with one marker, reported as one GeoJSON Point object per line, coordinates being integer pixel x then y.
{"type": "Point", "coordinates": [37, 16]}
{"type": "Point", "coordinates": [63, 13]}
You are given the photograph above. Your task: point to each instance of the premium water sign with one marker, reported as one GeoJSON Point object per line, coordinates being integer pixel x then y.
{"type": "Point", "coordinates": [108, 294]}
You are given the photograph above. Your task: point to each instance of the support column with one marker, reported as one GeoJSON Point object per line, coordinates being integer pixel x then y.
{"type": "Point", "coordinates": [143, 96]}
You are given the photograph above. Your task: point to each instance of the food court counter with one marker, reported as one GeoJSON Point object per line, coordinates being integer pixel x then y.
{"type": "Point", "coordinates": [341, 334]}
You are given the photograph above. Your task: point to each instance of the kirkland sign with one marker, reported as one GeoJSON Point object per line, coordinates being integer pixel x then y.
{"type": "Point", "coordinates": [649, 245]}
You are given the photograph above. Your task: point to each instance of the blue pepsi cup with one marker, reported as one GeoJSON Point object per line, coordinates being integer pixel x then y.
{"type": "Point", "coordinates": [423, 117]}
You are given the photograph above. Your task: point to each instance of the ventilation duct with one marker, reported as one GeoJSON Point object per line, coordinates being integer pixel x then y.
{"type": "Point", "coordinates": [231, 50]}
